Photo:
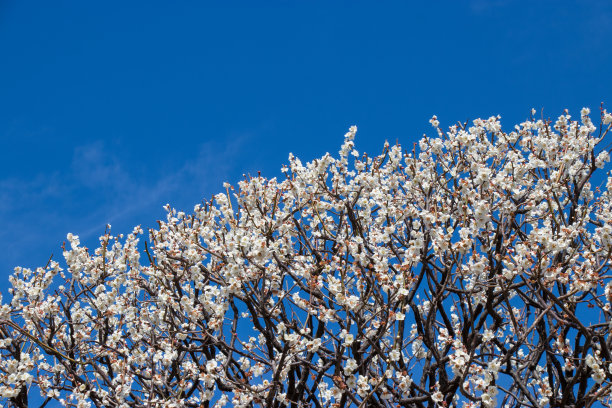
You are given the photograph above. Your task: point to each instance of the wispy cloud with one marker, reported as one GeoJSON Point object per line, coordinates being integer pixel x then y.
{"type": "Point", "coordinates": [482, 6]}
{"type": "Point", "coordinates": [130, 193]}
{"type": "Point", "coordinates": [100, 188]}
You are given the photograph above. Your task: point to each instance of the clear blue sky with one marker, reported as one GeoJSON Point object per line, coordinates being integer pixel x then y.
{"type": "Point", "coordinates": [109, 110]}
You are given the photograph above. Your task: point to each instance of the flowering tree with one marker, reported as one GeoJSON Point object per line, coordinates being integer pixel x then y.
{"type": "Point", "coordinates": [472, 270]}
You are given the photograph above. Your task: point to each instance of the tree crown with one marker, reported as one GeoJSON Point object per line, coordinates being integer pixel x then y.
{"type": "Point", "coordinates": [471, 269]}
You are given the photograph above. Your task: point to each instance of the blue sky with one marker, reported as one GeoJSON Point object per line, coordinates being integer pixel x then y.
{"type": "Point", "coordinates": [109, 110]}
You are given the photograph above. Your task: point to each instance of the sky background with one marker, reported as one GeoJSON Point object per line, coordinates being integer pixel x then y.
{"type": "Point", "coordinates": [109, 110]}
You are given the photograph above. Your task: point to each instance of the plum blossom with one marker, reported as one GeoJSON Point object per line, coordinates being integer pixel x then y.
{"type": "Point", "coordinates": [471, 269]}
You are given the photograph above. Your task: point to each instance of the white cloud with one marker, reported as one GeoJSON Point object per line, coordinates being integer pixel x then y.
{"type": "Point", "coordinates": [101, 188]}
{"type": "Point", "coordinates": [482, 6]}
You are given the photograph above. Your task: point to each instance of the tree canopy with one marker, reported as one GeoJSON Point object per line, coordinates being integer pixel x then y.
{"type": "Point", "coordinates": [469, 270]}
